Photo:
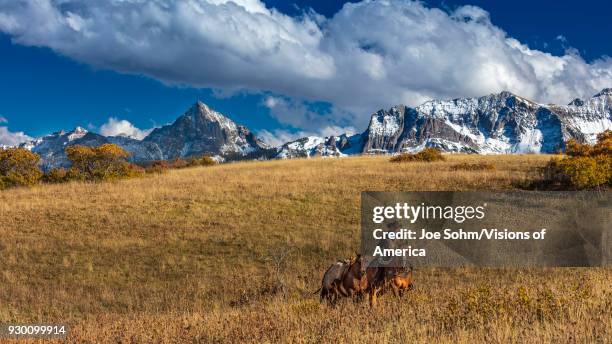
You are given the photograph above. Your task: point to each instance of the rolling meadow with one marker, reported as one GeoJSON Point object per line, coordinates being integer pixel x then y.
{"type": "Point", "coordinates": [234, 252]}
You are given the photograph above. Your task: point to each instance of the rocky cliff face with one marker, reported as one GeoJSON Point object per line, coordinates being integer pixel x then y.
{"type": "Point", "coordinates": [203, 131]}
{"type": "Point", "coordinates": [497, 123]}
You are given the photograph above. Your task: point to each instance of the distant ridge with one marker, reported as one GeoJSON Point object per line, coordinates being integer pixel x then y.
{"type": "Point", "coordinates": [497, 123]}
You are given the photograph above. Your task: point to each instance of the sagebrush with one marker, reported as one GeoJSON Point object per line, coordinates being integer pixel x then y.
{"type": "Point", "coordinates": [426, 155]}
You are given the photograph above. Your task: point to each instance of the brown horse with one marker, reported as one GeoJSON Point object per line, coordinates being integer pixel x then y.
{"type": "Point", "coordinates": [354, 282]}
{"type": "Point", "coordinates": [380, 279]}
{"type": "Point", "coordinates": [375, 281]}
{"type": "Point", "coordinates": [331, 280]}
{"type": "Point", "coordinates": [398, 280]}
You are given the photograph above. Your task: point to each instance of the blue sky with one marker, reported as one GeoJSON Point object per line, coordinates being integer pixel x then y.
{"type": "Point", "coordinates": [60, 73]}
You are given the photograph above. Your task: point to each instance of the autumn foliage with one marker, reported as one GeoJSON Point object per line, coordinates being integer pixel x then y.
{"type": "Point", "coordinates": [426, 155]}
{"type": "Point", "coordinates": [584, 166]}
{"type": "Point", "coordinates": [105, 162]}
{"type": "Point", "coordinates": [18, 167]}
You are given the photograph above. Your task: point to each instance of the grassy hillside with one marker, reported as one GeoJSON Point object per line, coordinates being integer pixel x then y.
{"type": "Point", "coordinates": [233, 253]}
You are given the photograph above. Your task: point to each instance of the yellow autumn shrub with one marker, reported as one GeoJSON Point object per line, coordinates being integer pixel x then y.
{"type": "Point", "coordinates": [584, 166]}
{"type": "Point", "coordinates": [56, 175]}
{"type": "Point", "coordinates": [202, 161]}
{"type": "Point", "coordinates": [19, 167]}
{"type": "Point", "coordinates": [105, 162]}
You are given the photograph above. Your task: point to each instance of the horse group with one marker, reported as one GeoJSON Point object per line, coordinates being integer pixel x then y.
{"type": "Point", "coordinates": [353, 278]}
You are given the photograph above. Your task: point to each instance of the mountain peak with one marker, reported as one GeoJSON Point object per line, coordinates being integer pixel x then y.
{"type": "Point", "coordinates": [201, 110]}
{"type": "Point", "coordinates": [577, 102]}
{"type": "Point", "coordinates": [201, 106]}
{"type": "Point", "coordinates": [77, 133]}
{"type": "Point", "coordinates": [604, 92]}
{"type": "Point", "coordinates": [202, 130]}
{"type": "Point", "coordinates": [506, 94]}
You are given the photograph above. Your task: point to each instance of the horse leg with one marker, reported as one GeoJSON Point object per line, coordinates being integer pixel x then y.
{"type": "Point", "coordinates": [372, 297]}
{"type": "Point", "coordinates": [394, 289]}
{"type": "Point", "coordinates": [342, 291]}
{"type": "Point", "coordinates": [351, 294]}
{"type": "Point", "coordinates": [331, 298]}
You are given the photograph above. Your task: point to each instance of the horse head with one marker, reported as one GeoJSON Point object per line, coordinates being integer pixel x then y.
{"type": "Point", "coordinates": [359, 266]}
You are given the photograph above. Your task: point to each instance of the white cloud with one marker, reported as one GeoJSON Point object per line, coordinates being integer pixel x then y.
{"type": "Point", "coordinates": [278, 137]}
{"type": "Point", "coordinates": [369, 55]}
{"type": "Point", "coordinates": [306, 115]}
{"type": "Point", "coordinates": [8, 138]}
{"type": "Point", "coordinates": [3, 119]}
{"type": "Point", "coordinates": [116, 127]}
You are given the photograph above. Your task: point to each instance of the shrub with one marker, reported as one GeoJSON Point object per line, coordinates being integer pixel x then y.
{"type": "Point", "coordinates": [481, 166]}
{"type": "Point", "coordinates": [158, 166]}
{"type": "Point", "coordinates": [202, 161]}
{"type": "Point", "coordinates": [584, 166]}
{"type": "Point", "coordinates": [179, 163]}
{"type": "Point", "coordinates": [19, 167]}
{"type": "Point", "coordinates": [56, 175]}
{"type": "Point", "coordinates": [426, 155]}
{"type": "Point", "coordinates": [105, 162]}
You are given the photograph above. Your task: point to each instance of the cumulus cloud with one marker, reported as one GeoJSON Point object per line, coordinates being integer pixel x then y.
{"type": "Point", "coordinates": [8, 138]}
{"type": "Point", "coordinates": [117, 127]}
{"type": "Point", "coordinates": [306, 115]}
{"type": "Point", "coordinates": [369, 55]}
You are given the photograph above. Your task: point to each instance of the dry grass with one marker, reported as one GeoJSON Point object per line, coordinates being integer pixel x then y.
{"type": "Point", "coordinates": [233, 252]}
{"type": "Point", "coordinates": [465, 166]}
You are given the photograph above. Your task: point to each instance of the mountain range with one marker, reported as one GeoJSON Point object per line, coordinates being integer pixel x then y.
{"type": "Point", "coordinates": [496, 123]}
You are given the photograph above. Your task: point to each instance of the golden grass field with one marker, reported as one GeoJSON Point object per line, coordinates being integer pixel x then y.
{"type": "Point", "coordinates": [232, 253]}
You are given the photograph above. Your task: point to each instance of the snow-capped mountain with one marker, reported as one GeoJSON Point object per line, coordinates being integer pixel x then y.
{"type": "Point", "coordinates": [312, 146]}
{"type": "Point", "coordinates": [51, 148]}
{"type": "Point", "coordinates": [204, 131]}
{"type": "Point", "coordinates": [497, 123]}
{"type": "Point", "coordinates": [198, 132]}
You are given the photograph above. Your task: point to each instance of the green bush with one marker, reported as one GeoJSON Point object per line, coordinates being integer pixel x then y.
{"type": "Point", "coordinates": [105, 162]}
{"type": "Point", "coordinates": [426, 155]}
{"type": "Point", "coordinates": [584, 166]}
{"type": "Point", "coordinates": [19, 167]}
